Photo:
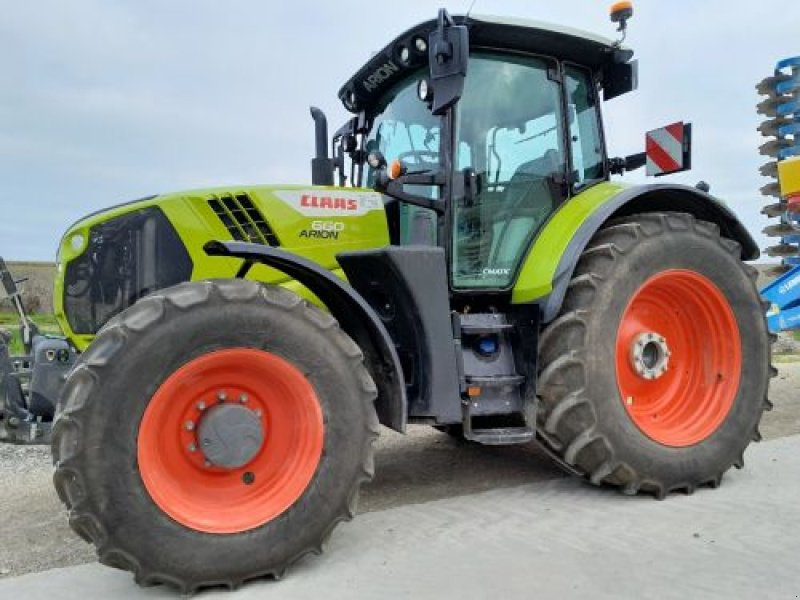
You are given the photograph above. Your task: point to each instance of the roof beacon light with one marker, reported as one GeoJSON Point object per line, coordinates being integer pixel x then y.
{"type": "Point", "coordinates": [620, 12]}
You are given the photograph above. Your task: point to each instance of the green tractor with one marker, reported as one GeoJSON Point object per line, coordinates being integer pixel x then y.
{"type": "Point", "coordinates": [475, 269]}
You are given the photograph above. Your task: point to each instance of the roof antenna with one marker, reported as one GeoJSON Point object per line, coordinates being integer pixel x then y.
{"type": "Point", "coordinates": [469, 11]}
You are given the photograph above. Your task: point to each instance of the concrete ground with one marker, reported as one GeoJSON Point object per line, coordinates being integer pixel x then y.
{"type": "Point", "coordinates": [443, 516]}
{"type": "Point", "coordinates": [553, 539]}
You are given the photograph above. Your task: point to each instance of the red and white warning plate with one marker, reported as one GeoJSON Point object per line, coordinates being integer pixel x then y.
{"type": "Point", "coordinates": [667, 149]}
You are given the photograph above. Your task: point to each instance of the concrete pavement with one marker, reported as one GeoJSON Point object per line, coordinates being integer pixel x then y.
{"type": "Point", "coordinates": [552, 539]}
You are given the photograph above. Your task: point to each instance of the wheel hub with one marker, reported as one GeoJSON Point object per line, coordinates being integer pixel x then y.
{"type": "Point", "coordinates": [650, 355]}
{"type": "Point", "coordinates": [230, 435]}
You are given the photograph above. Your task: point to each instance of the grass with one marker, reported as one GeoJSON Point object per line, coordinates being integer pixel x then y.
{"type": "Point", "coordinates": [785, 358]}
{"type": "Point", "coordinates": [10, 321]}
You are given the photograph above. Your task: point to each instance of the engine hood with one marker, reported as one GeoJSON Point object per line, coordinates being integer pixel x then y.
{"type": "Point", "coordinates": [114, 259]}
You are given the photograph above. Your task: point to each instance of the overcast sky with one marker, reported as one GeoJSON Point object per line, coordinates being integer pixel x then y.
{"type": "Point", "coordinates": [103, 101]}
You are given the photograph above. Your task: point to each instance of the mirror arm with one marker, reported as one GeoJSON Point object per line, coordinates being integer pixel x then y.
{"type": "Point", "coordinates": [394, 189]}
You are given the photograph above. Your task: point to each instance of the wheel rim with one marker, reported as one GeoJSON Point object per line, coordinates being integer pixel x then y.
{"type": "Point", "coordinates": [215, 498]}
{"type": "Point", "coordinates": [678, 358]}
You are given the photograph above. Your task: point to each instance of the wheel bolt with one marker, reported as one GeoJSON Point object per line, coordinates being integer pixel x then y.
{"type": "Point", "coordinates": [243, 398]}
{"type": "Point", "coordinates": [191, 448]}
{"type": "Point", "coordinates": [189, 425]}
{"type": "Point", "coordinates": [257, 412]}
{"type": "Point", "coordinates": [201, 406]}
{"type": "Point", "coordinates": [222, 396]}
{"type": "Point", "coordinates": [207, 464]}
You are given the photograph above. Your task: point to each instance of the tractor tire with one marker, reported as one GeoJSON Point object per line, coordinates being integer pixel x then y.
{"type": "Point", "coordinates": [654, 376]}
{"type": "Point", "coordinates": [147, 419]}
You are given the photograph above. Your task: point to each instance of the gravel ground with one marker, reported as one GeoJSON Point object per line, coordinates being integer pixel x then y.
{"type": "Point", "coordinates": [421, 466]}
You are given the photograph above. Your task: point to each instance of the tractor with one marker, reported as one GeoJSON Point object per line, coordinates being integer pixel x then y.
{"type": "Point", "coordinates": [462, 259]}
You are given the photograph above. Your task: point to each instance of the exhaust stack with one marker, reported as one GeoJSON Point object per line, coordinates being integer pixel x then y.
{"type": "Point", "coordinates": [321, 165]}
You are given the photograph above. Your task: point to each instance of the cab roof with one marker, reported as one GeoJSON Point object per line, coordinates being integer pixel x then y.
{"type": "Point", "coordinates": [386, 67]}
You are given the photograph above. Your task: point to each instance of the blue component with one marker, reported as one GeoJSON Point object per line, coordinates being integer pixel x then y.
{"type": "Point", "coordinates": [788, 152]}
{"type": "Point", "coordinates": [784, 87]}
{"type": "Point", "coordinates": [487, 346]}
{"type": "Point", "coordinates": [783, 294]}
{"type": "Point", "coordinates": [785, 319]}
{"type": "Point", "coordinates": [789, 129]}
{"type": "Point", "coordinates": [794, 61]}
{"type": "Point", "coordinates": [788, 108]}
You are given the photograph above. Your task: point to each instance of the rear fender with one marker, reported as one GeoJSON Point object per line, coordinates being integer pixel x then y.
{"type": "Point", "coordinates": [548, 267]}
{"type": "Point", "coordinates": [355, 316]}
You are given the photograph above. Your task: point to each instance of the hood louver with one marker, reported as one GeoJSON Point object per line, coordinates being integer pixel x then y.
{"type": "Point", "coordinates": [242, 219]}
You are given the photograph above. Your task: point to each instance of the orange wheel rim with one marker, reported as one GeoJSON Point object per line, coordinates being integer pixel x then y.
{"type": "Point", "coordinates": [678, 358]}
{"type": "Point", "coordinates": [217, 499]}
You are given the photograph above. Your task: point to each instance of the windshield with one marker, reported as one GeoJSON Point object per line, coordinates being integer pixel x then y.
{"type": "Point", "coordinates": [510, 133]}
{"type": "Point", "coordinates": [404, 128]}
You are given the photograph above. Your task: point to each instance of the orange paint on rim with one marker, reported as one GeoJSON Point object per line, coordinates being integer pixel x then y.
{"type": "Point", "coordinates": [689, 401]}
{"type": "Point", "coordinates": [219, 500]}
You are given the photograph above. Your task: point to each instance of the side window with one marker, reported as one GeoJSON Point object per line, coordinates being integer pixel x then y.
{"type": "Point", "coordinates": [584, 128]}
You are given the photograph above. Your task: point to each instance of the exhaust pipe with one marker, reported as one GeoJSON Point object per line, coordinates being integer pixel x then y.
{"type": "Point", "coordinates": [321, 165]}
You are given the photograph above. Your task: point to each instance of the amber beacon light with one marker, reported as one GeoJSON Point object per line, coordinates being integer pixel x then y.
{"type": "Point", "coordinates": [620, 12]}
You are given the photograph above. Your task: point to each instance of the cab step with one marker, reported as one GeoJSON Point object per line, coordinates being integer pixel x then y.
{"type": "Point", "coordinates": [501, 436]}
{"type": "Point", "coordinates": [495, 380]}
{"type": "Point", "coordinates": [483, 324]}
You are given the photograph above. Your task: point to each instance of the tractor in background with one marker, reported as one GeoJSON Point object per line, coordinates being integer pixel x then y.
{"type": "Point", "coordinates": [474, 268]}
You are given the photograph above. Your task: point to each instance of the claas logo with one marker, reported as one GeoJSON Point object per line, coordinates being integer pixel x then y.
{"type": "Point", "coordinates": [309, 201]}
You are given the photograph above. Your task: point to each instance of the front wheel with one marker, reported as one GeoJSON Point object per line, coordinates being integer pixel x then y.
{"type": "Point", "coordinates": [654, 376]}
{"type": "Point", "coordinates": [214, 432]}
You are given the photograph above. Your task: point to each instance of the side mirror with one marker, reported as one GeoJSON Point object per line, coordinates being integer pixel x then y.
{"type": "Point", "coordinates": [448, 55]}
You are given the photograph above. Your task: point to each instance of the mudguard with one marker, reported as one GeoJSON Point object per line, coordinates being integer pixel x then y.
{"type": "Point", "coordinates": [355, 316]}
{"type": "Point", "coordinates": [547, 269]}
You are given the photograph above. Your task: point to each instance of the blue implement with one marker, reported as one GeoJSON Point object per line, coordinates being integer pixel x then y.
{"type": "Point", "coordinates": [783, 294]}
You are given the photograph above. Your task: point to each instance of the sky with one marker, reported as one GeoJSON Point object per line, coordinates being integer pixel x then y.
{"type": "Point", "coordinates": [103, 101]}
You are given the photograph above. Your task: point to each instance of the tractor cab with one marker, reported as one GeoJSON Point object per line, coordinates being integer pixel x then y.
{"type": "Point", "coordinates": [481, 127]}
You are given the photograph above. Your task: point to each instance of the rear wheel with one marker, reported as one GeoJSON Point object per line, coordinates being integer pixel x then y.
{"type": "Point", "coordinates": [654, 377]}
{"type": "Point", "coordinates": [212, 433]}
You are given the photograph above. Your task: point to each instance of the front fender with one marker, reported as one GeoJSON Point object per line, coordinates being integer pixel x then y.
{"type": "Point", "coordinates": [355, 316]}
{"type": "Point", "coordinates": [548, 266]}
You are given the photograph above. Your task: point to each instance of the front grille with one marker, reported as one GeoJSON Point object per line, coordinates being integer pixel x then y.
{"type": "Point", "coordinates": [242, 219]}
{"type": "Point", "coordinates": [127, 257]}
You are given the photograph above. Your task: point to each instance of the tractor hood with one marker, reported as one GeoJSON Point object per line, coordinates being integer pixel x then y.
{"type": "Point", "coordinates": [110, 259]}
